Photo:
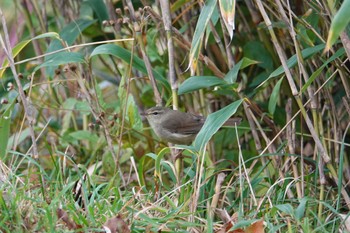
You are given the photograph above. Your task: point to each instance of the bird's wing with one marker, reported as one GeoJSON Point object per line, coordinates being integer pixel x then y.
{"type": "Point", "coordinates": [191, 125]}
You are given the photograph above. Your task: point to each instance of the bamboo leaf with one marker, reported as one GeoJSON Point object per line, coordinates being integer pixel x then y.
{"type": "Point", "coordinates": [231, 76]}
{"type": "Point", "coordinates": [62, 58]}
{"type": "Point", "coordinates": [292, 61]}
{"type": "Point", "coordinates": [274, 97]}
{"type": "Point", "coordinates": [195, 83]}
{"type": "Point", "coordinates": [213, 123]}
{"type": "Point", "coordinates": [99, 7]}
{"type": "Point", "coordinates": [227, 9]}
{"type": "Point", "coordinates": [202, 24]}
{"type": "Point", "coordinates": [21, 45]}
{"type": "Point", "coordinates": [125, 55]}
{"type": "Point", "coordinates": [339, 23]}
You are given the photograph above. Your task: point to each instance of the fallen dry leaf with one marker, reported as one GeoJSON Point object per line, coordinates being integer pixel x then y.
{"type": "Point", "coordinates": [257, 227]}
{"type": "Point", "coordinates": [62, 215]}
{"type": "Point", "coordinates": [116, 225]}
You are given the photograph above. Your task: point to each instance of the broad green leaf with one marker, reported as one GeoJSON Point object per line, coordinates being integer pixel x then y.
{"type": "Point", "coordinates": [82, 106]}
{"type": "Point", "coordinates": [274, 97]}
{"type": "Point", "coordinates": [125, 55]}
{"type": "Point", "coordinates": [292, 61]}
{"type": "Point", "coordinates": [215, 17]}
{"type": "Point", "coordinates": [256, 50]}
{"type": "Point", "coordinates": [339, 53]}
{"type": "Point", "coordinates": [231, 76]}
{"type": "Point", "coordinates": [21, 45]}
{"type": "Point", "coordinates": [339, 23]}
{"type": "Point", "coordinates": [84, 135]}
{"type": "Point", "coordinates": [62, 58]}
{"type": "Point", "coordinates": [99, 7]}
{"type": "Point", "coordinates": [202, 23]}
{"type": "Point", "coordinates": [213, 123]}
{"type": "Point", "coordinates": [286, 208]}
{"type": "Point", "coordinates": [5, 122]}
{"type": "Point", "coordinates": [195, 83]}
{"type": "Point", "coordinates": [300, 210]}
{"type": "Point", "coordinates": [69, 34]}
{"type": "Point", "coordinates": [227, 9]}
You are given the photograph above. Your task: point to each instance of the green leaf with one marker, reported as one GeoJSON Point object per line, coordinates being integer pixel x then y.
{"type": "Point", "coordinates": [292, 61]}
{"type": "Point", "coordinates": [141, 167]}
{"type": "Point", "coordinates": [125, 55]}
{"type": "Point", "coordinates": [286, 208]}
{"type": "Point", "coordinates": [243, 223]}
{"type": "Point", "coordinates": [108, 163]}
{"type": "Point", "coordinates": [5, 122]}
{"type": "Point", "coordinates": [84, 135]}
{"type": "Point", "coordinates": [300, 211]}
{"type": "Point", "coordinates": [227, 9]}
{"type": "Point", "coordinates": [119, 52]}
{"type": "Point", "coordinates": [69, 34]}
{"type": "Point", "coordinates": [195, 83]}
{"type": "Point", "coordinates": [231, 76]}
{"type": "Point", "coordinates": [257, 51]}
{"type": "Point", "coordinates": [15, 138]}
{"type": "Point", "coordinates": [339, 23]}
{"type": "Point", "coordinates": [133, 115]}
{"type": "Point", "coordinates": [213, 123]}
{"type": "Point", "coordinates": [62, 58]}
{"type": "Point", "coordinates": [99, 7]}
{"type": "Point", "coordinates": [159, 159]}
{"type": "Point", "coordinates": [202, 23]}
{"type": "Point", "coordinates": [274, 97]}
{"type": "Point", "coordinates": [21, 45]}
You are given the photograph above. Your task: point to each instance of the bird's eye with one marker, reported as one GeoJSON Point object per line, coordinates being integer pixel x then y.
{"type": "Point", "coordinates": [155, 113]}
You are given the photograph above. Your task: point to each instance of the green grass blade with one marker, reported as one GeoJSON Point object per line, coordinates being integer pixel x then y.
{"type": "Point", "coordinates": [274, 97]}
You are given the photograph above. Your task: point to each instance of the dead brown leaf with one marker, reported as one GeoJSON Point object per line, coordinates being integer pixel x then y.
{"type": "Point", "coordinates": [62, 215]}
{"type": "Point", "coordinates": [116, 225]}
{"type": "Point", "coordinates": [257, 227]}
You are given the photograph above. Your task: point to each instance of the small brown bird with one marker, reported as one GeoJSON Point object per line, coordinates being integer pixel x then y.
{"type": "Point", "coordinates": [178, 127]}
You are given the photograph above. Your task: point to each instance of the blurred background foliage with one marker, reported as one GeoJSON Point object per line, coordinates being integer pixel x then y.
{"type": "Point", "coordinates": [86, 69]}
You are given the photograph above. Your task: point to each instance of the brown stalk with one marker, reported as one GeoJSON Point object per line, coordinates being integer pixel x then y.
{"type": "Point", "coordinates": [8, 51]}
{"type": "Point", "coordinates": [292, 85]}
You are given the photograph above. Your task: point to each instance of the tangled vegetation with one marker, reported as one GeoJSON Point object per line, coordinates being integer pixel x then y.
{"type": "Point", "coordinates": [77, 155]}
